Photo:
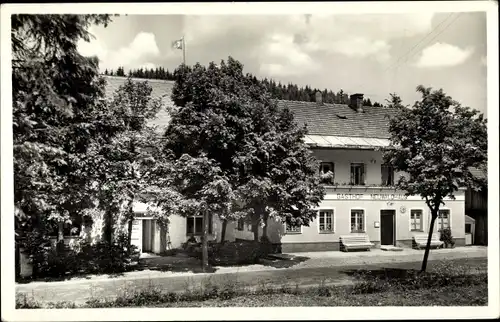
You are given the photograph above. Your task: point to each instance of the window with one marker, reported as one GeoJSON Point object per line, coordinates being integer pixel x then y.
{"type": "Point", "coordinates": [357, 173]}
{"type": "Point", "coordinates": [293, 229]}
{"type": "Point", "coordinates": [194, 225]}
{"type": "Point", "coordinates": [69, 229]}
{"type": "Point", "coordinates": [357, 221]}
{"type": "Point", "coordinates": [387, 175]}
{"type": "Point", "coordinates": [416, 220]}
{"type": "Point", "coordinates": [327, 172]}
{"type": "Point", "coordinates": [326, 221]}
{"type": "Point", "coordinates": [444, 219]}
{"type": "Point", "coordinates": [242, 225]}
{"type": "Point", "coordinates": [468, 228]}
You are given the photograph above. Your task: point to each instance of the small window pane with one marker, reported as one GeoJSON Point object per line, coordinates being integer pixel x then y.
{"type": "Point", "coordinates": [199, 225]}
{"type": "Point", "coordinates": [190, 225]}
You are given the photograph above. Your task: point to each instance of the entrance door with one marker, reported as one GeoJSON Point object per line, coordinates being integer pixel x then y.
{"type": "Point", "coordinates": [387, 225]}
{"type": "Point", "coordinates": [146, 236]}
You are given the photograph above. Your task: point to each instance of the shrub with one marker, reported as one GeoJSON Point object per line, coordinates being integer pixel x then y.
{"type": "Point", "coordinates": [101, 257]}
{"type": "Point", "coordinates": [266, 247]}
{"type": "Point", "coordinates": [447, 237]}
{"type": "Point", "coordinates": [104, 257]}
{"type": "Point", "coordinates": [38, 247]}
{"type": "Point", "coordinates": [235, 253]}
{"type": "Point", "coordinates": [25, 302]}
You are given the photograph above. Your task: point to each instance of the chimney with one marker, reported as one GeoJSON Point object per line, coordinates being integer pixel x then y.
{"type": "Point", "coordinates": [319, 98]}
{"type": "Point", "coordinates": [357, 102]}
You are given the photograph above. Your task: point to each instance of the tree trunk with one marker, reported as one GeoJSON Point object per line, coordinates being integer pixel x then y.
{"type": "Point", "coordinates": [60, 236]}
{"type": "Point", "coordinates": [429, 238]}
{"type": "Point", "coordinates": [60, 231]}
{"type": "Point", "coordinates": [204, 243]}
{"type": "Point", "coordinates": [108, 227]}
{"type": "Point", "coordinates": [223, 231]}
{"type": "Point", "coordinates": [130, 222]}
{"type": "Point", "coordinates": [264, 229]}
{"type": "Point", "coordinates": [255, 226]}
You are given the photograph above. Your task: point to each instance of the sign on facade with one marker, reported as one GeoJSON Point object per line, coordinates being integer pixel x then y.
{"type": "Point", "coordinates": [371, 196]}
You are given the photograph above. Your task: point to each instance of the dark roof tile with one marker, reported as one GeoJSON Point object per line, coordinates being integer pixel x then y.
{"type": "Point", "coordinates": [341, 120]}
{"type": "Point", "coordinates": [326, 119]}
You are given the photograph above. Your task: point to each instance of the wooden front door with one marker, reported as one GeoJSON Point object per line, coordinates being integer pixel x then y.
{"type": "Point", "coordinates": [387, 227]}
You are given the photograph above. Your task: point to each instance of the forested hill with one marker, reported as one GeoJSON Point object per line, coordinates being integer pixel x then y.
{"type": "Point", "coordinates": [289, 92]}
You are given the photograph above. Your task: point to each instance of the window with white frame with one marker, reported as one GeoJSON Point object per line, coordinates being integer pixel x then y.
{"type": "Point", "coordinates": [444, 219]}
{"type": "Point", "coordinates": [416, 220]}
{"type": "Point", "coordinates": [387, 175]}
{"type": "Point", "coordinates": [293, 228]}
{"type": "Point", "coordinates": [327, 172]}
{"type": "Point", "coordinates": [194, 225]}
{"type": "Point", "coordinates": [357, 221]}
{"type": "Point", "coordinates": [357, 173]}
{"type": "Point", "coordinates": [326, 221]}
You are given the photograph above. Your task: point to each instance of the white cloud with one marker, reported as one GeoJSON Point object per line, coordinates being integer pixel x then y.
{"type": "Point", "coordinates": [137, 53]}
{"type": "Point", "coordinates": [443, 55]}
{"type": "Point", "coordinates": [281, 56]}
{"type": "Point", "coordinates": [361, 47]}
{"type": "Point", "coordinates": [352, 35]}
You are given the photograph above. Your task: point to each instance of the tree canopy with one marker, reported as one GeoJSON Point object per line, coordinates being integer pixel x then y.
{"type": "Point", "coordinates": [228, 145]}
{"type": "Point", "coordinates": [436, 142]}
{"type": "Point", "coordinates": [74, 151]}
{"type": "Point", "coordinates": [56, 95]}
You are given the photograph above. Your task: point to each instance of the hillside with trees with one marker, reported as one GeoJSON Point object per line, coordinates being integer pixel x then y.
{"type": "Point", "coordinates": [287, 92]}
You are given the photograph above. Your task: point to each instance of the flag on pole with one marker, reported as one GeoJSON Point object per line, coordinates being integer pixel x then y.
{"type": "Point", "coordinates": [177, 44]}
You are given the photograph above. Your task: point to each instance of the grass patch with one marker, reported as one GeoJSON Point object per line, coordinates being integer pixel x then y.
{"type": "Point", "coordinates": [447, 284]}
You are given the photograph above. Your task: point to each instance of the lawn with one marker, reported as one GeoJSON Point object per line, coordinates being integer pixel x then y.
{"type": "Point", "coordinates": [447, 283]}
{"type": "Point", "coordinates": [446, 296]}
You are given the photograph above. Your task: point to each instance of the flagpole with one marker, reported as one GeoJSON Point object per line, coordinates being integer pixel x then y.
{"type": "Point", "coordinates": [183, 51]}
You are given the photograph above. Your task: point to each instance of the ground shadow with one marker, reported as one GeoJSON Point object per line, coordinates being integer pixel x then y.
{"type": "Point", "coordinates": [69, 276]}
{"type": "Point", "coordinates": [282, 261]}
{"type": "Point", "coordinates": [381, 273]}
{"type": "Point", "coordinates": [174, 263]}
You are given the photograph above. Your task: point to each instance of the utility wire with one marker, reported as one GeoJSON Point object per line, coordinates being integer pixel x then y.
{"type": "Point", "coordinates": [421, 40]}
{"type": "Point", "coordinates": [433, 38]}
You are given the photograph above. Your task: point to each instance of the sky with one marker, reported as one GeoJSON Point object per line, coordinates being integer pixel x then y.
{"type": "Point", "coordinates": [373, 54]}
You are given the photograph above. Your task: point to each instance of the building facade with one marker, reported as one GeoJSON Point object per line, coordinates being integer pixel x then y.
{"type": "Point", "coordinates": [360, 194]}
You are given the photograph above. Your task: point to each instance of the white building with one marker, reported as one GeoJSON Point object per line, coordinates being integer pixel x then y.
{"type": "Point", "coordinates": [360, 199]}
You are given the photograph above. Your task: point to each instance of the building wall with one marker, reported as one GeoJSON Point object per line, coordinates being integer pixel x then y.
{"type": "Point", "coordinates": [342, 160]}
{"type": "Point", "coordinates": [372, 198]}
{"type": "Point", "coordinates": [372, 208]}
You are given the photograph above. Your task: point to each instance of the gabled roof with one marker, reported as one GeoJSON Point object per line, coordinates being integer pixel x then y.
{"type": "Point", "coordinates": [325, 123]}
{"type": "Point", "coordinates": [340, 120]}
{"type": "Point", "coordinates": [161, 89]}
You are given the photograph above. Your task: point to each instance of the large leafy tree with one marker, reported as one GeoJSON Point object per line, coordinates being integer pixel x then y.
{"type": "Point", "coordinates": [75, 153]}
{"type": "Point", "coordinates": [56, 94]}
{"type": "Point", "coordinates": [279, 177]}
{"type": "Point", "coordinates": [436, 142]}
{"type": "Point", "coordinates": [209, 121]}
{"type": "Point", "coordinates": [230, 151]}
{"type": "Point", "coordinates": [116, 166]}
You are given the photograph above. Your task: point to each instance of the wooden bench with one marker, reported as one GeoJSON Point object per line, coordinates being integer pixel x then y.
{"type": "Point", "coordinates": [355, 241]}
{"type": "Point", "coordinates": [420, 241]}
